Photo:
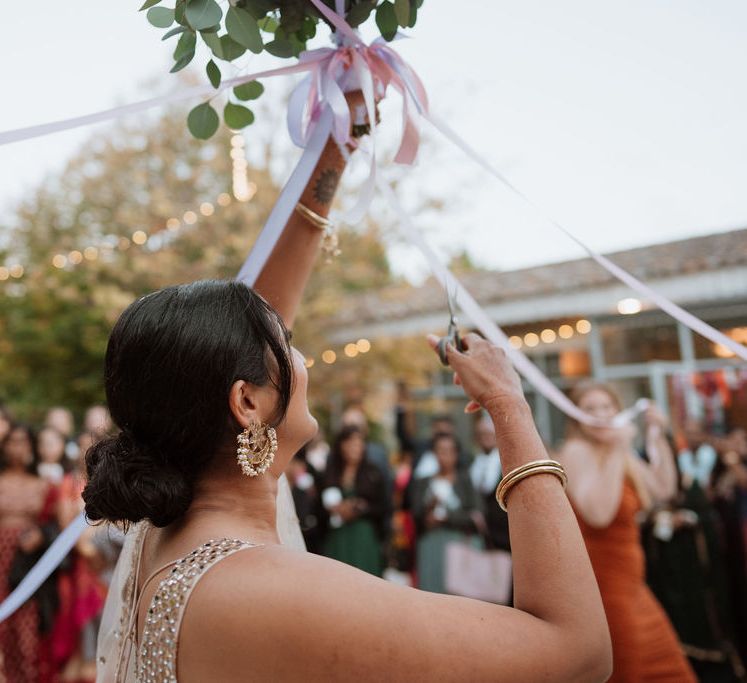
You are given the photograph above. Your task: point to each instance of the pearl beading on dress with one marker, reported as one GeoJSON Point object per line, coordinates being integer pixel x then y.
{"type": "Point", "coordinates": [156, 660]}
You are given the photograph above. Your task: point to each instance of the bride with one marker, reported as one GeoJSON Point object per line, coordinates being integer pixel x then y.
{"type": "Point", "coordinates": [210, 397]}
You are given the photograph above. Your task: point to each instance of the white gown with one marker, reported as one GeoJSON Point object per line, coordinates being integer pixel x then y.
{"type": "Point", "coordinates": [115, 660]}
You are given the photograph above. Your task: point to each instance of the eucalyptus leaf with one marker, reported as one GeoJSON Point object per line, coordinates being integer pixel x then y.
{"type": "Point", "coordinates": [280, 47]}
{"type": "Point", "coordinates": [237, 116]}
{"type": "Point", "coordinates": [249, 91]}
{"type": "Point", "coordinates": [148, 3]}
{"type": "Point", "coordinates": [230, 49]}
{"type": "Point", "coordinates": [203, 121]}
{"type": "Point", "coordinates": [179, 10]}
{"type": "Point", "coordinates": [186, 44]}
{"type": "Point", "coordinates": [386, 20]}
{"type": "Point", "coordinates": [212, 40]}
{"type": "Point", "coordinates": [308, 29]}
{"type": "Point", "coordinates": [413, 15]}
{"type": "Point", "coordinates": [202, 14]}
{"type": "Point", "coordinates": [402, 10]}
{"type": "Point", "coordinates": [358, 14]}
{"type": "Point", "coordinates": [211, 29]}
{"type": "Point", "coordinates": [259, 8]}
{"type": "Point", "coordinates": [183, 60]}
{"type": "Point", "coordinates": [173, 32]}
{"type": "Point", "coordinates": [242, 27]}
{"type": "Point", "coordinates": [268, 25]}
{"type": "Point", "coordinates": [161, 17]}
{"type": "Point", "coordinates": [213, 73]}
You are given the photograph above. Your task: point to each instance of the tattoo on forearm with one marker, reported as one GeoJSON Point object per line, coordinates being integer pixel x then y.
{"type": "Point", "coordinates": [326, 185]}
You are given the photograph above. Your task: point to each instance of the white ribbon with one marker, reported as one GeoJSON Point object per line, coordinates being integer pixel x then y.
{"type": "Point", "coordinates": [41, 571]}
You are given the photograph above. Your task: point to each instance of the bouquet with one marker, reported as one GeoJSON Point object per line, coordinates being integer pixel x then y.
{"type": "Point", "coordinates": [280, 27]}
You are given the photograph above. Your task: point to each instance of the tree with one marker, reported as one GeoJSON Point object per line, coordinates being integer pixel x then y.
{"type": "Point", "coordinates": [55, 321]}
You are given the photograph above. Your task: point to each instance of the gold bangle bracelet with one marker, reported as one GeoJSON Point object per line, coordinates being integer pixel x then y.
{"type": "Point", "coordinates": [313, 217]}
{"type": "Point", "coordinates": [529, 469]}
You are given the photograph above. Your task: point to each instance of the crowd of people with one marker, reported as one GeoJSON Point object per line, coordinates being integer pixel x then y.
{"type": "Point", "coordinates": [665, 526]}
{"type": "Point", "coordinates": [53, 636]}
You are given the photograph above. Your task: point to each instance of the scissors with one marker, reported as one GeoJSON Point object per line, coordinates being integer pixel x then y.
{"type": "Point", "coordinates": [452, 335]}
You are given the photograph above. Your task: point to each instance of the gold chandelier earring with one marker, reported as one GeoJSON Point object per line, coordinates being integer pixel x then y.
{"type": "Point", "coordinates": [258, 444]}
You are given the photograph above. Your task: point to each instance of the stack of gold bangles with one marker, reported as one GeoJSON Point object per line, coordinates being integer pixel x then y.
{"type": "Point", "coordinates": [528, 470]}
{"type": "Point", "coordinates": [330, 240]}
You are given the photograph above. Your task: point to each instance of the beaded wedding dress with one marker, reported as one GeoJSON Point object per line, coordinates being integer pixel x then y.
{"type": "Point", "coordinates": [120, 658]}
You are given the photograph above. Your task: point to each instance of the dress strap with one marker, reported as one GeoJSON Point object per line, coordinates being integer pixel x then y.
{"type": "Point", "coordinates": [156, 659]}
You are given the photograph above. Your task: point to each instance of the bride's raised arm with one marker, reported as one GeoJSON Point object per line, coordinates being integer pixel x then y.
{"type": "Point", "coordinates": [283, 278]}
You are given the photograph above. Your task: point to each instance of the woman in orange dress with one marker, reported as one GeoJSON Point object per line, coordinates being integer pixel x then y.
{"type": "Point", "coordinates": [609, 485]}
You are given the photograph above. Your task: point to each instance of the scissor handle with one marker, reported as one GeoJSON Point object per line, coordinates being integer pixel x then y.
{"type": "Point", "coordinates": [456, 341]}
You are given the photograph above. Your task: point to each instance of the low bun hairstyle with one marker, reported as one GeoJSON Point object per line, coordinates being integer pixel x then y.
{"type": "Point", "coordinates": [171, 361]}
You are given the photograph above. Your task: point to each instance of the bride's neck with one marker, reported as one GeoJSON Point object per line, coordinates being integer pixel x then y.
{"type": "Point", "coordinates": [226, 503]}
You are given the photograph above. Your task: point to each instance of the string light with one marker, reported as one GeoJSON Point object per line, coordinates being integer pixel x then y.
{"type": "Point", "coordinates": [139, 237]}
{"type": "Point", "coordinates": [351, 350]}
{"type": "Point", "coordinates": [309, 363]}
{"type": "Point", "coordinates": [548, 336]}
{"type": "Point", "coordinates": [531, 339]}
{"type": "Point", "coordinates": [583, 327]}
{"type": "Point", "coordinates": [516, 342]}
{"type": "Point", "coordinates": [565, 331]}
{"type": "Point", "coordinates": [329, 356]}
{"type": "Point", "coordinates": [364, 346]}
{"type": "Point", "coordinates": [629, 306]}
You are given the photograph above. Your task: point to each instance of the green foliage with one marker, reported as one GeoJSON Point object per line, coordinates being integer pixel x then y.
{"type": "Point", "coordinates": [54, 323]}
{"type": "Point", "coordinates": [248, 91]}
{"type": "Point", "coordinates": [202, 14]}
{"type": "Point", "coordinates": [161, 17]}
{"type": "Point", "coordinates": [281, 28]}
{"type": "Point", "coordinates": [386, 20]}
{"type": "Point", "coordinates": [203, 121]}
{"type": "Point", "coordinates": [242, 27]}
{"type": "Point", "coordinates": [213, 72]}
{"type": "Point", "coordinates": [237, 116]}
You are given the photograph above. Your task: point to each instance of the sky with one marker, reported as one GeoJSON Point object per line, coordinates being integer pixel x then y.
{"type": "Point", "coordinates": [624, 121]}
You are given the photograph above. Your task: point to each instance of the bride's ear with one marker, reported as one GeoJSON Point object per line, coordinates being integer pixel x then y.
{"type": "Point", "coordinates": [246, 401]}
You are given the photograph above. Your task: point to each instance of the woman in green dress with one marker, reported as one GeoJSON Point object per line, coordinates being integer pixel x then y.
{"type": "Point", "coordinates": [444, 507]}
{"type": "Point", "coordinates": [355, 497]}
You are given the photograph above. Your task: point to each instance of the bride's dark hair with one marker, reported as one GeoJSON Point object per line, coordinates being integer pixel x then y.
{"type": "Point", "coordinates": [171, 360]}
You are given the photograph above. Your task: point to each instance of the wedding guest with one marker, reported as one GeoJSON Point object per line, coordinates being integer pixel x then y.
{"type": "Point", "coordinates": [81, 590]}
{"type": "Point", "coordinates": [97, 421]}
{"type": "Point", "coordinates": [27, 506]}
{"type": "Point", "coordinates": [729, 495]}
{"type": "Point", "coordinates": [609, 484]}
{"type": "Point", "coordinates": [51, 447]}
{"type": "Point", "coordinates": [376, 453]}
{"type": "Point", "coordinates": [485, 473]}
{"type": "Point", "coordinates": [443, 506]}
{"type": "Point", "coordinates": [305, 484]}
{"type": "Point", "coordinates": [62, 420]}
{"type": "Point", "coordinates": [355, 497]}
{"type": "Point", "coordinates": [6, 421]}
